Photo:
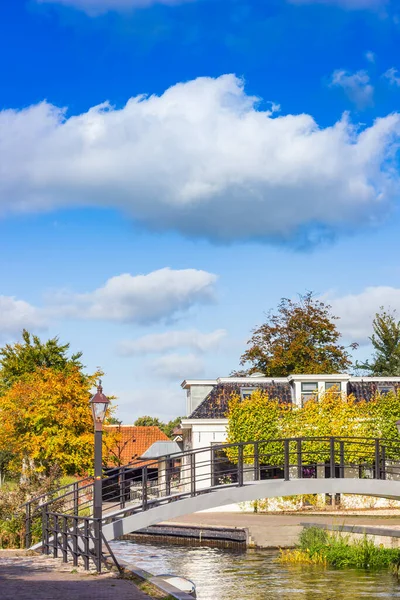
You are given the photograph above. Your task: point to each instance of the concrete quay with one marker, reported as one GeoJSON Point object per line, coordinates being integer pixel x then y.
{"type": "Point", "coordinates": [282, 531]}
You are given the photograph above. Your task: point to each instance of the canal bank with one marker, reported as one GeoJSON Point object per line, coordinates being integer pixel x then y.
{"type": "Point", "coordinates": [250, 530]}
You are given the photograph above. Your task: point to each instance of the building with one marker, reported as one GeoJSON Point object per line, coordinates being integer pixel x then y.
{"type": "Point", "coordinates": [207, 400]}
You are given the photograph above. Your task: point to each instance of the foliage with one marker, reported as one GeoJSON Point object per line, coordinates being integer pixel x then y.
{"type": "Point", "coordinates": [255, 418]}
{"type": "Point", "coordinates": [5, 459]}
{"type": "Point", "coordinates": [12, 512]}
{"type": "Point", "coordinates": [301, 337]}
{"type": "Point", "coordinates": [167, 428]}
{"type": "Point", "coordinates": [16, 360]}
{"type": "Point", "coordinates": [45, 419]}
{"type": "Point", "coordinates": [259, 417]}
{"type": "Point", "coordinates": [386, 343]}
{"type": "Point", "coordinates": [318, 547]}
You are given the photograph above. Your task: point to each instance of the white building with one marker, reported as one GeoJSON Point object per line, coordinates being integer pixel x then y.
{"type": "Point", "coordinates": [207, 401]}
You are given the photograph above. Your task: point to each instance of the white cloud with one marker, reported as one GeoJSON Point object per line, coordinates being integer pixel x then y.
{"type": "Point", "coordinates": [356, 86]}
{"type": "Point", "coordinates": [356, 311]}
{"type": "Point", "coordinates": [170, 340]}
{"type": "Point", "coordinates": [370, 56]}
{"type": "Point", "coordinates": [202, 160]}
{"type": "Point", "coordinates": [95, 7]}
{"type": "Point", "coordinates": [16, 315]}
{"type": "Point", "coordinates": [393, 76]}
{"type": "Point", "coordinates": [349, 4]}
{"type": "Point", "coordinates": [159, 295]}
{"type": "Point", "coordinates": [177, 366]}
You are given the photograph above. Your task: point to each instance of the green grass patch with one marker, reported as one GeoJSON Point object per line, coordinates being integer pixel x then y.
{"type": "Point", "coordinates": [318, 547]}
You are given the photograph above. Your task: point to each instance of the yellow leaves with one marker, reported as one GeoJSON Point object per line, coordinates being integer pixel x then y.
{"type": "Point", "coordinates": [46, 416]}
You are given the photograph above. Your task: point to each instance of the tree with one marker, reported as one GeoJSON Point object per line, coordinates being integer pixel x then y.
{"type": "Point", "coordinates": [24, 357]}
{"type": "Point", "coordinates": [167, 428]}
{"type": "Point", "coordinates": [45, 419]}
{"type": "Point", "coordinates": [386, 343]}
{"type": "Point", "coordinates": [301, 337]}
{"type": "Point", "coordinates": [147, 421]}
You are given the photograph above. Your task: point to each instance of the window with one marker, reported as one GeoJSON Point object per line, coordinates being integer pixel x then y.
{"type": "Point", "coordinates": [246, 392]}
{"type": "Point", "coordinates": [384, 388]}
{"type": "Point", "coordinates": [308, 390]}
{"type": "Point", "coordinates": [333, 384]}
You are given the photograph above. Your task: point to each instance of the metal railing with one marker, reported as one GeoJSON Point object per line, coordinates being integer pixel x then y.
{"type": "Point", "coordinates": [67, 514]}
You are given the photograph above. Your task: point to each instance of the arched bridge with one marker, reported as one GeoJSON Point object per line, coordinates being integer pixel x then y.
{"type": "Point", "coordinates": [143, 494]}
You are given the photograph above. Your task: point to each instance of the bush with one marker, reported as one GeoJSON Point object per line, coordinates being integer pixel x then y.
{"type": "Point", "coordinates": [12, 511]}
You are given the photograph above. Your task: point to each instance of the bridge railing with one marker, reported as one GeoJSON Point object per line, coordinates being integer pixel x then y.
{"type": "Point", "coordinates": [145, 485]}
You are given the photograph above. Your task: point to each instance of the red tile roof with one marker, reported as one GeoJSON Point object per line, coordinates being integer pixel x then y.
{"type": "Point", "coordinates": [125, 443]}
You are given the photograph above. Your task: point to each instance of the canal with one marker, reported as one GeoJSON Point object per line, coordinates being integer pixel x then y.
{"type": "Point", "coordinates": [221, 574]}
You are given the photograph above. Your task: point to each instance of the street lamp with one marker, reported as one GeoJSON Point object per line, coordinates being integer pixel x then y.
{"type": "Point", "coordinates": [99, 404]}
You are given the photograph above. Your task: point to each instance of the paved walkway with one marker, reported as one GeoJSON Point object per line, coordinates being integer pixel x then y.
{"type": "Point", "coordinates": [274, 531]}
{"type": "Point", "coordinates": [43, 578]}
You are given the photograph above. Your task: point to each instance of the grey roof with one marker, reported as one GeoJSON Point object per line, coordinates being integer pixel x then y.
{"type": "Point", "coordinates": [215, 404]}
{"type": "Point", "coordinates": [159, 449]}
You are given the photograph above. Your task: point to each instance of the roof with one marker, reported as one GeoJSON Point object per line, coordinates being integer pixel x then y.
{"type": "Point", "coordinates": [128, 442]}
{"type": "Point", "coordinates": [367, 390]}
{"type": "Point", "coordinates": [161, 449]}
{"type": "Point", "coordinates": [215, 404]}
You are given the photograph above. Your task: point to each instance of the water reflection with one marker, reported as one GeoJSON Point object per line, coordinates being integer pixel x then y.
{"type": "Point", "coordinates": [254, 575]}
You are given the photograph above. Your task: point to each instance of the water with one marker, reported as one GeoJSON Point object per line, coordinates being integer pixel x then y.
{"type": "Point", "coordinates": [221, 574]}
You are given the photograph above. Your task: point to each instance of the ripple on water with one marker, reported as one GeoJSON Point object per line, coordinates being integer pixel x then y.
{"type": "Point", "coordinates": [221, 574]}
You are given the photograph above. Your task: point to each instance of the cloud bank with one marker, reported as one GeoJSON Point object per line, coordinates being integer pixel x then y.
{"type": "Point", "coordinates": [348, 4]}
{"type": "Point", "coordinates": [95, 7]}
{"type": "Point", "coordinates": [141, 299]}
{"type": "Point", "coordinates": [171, 340]}
{"type": "Point", "coordinates": [356, 86]}
{"type": "Point", "coordinates": [202, 159]}
{"type": "Point", "coordinates": [177, 366]}
{"type": "Point", "coordinates": [16, 315]}
{"type": "Point", "coordinates": [357, 311]}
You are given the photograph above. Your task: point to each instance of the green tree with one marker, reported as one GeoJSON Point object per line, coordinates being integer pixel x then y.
{"type": "Point", "coordinates": [167, 428]}
{"type": "Point", "coordinates": [301, 337]}
{"type": "Point", "coordinates": [21, 358]}
{"type": "Point", "coordinates": [386, 343]}
{"type": "Point", "coordinates": [147, 421]}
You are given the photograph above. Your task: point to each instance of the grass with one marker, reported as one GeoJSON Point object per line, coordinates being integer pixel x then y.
{"type": "Point", "coordinates": [317, 547]}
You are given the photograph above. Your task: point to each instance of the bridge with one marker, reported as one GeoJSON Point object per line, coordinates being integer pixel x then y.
{"type": "Point", "coordinates": [143, 494]}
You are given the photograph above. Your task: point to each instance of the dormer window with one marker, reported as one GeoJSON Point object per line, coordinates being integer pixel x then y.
{"type": "Point", "coordinates": [333, 384]}
{"type": "Point", "coordinates": [308, 390]}
{"type": "Point", "coordinates": [384, 388]}
{"type": "Point", "coordinates": [246, 392]}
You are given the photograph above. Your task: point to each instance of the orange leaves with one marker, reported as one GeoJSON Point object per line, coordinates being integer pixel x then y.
{"type": "Point", "coordinates": [46, 417]}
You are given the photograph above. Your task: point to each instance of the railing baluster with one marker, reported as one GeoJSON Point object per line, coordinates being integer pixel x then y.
{"type": "Point", "coordinates": [65, 538]}
{"type": "Point", "coordinates": [383, 462]}
{"type": "Point", "coordinates": [332, 458]}
{"type": "Point", "coordinates": [55, 536]}
{"type": "Point", "coordinates": [212, 466]}
{"type": "Point", "coordinates": [286, 463]}
{"type": "Point", "coordinates": [341, 450]}
{"type": "Point", "coordinates": [377, 474]}
{"type": "Point", "coordinates": [192, 474]}
{"type": "Point", "coordinates": [299, 460]}
{"type": "Point", "coordinates": [75, 525]}
{"type": "Point", "coordinates": [167, 476]}
{"type": "Point", "coordinates": [122, 487]}
{"type": "Point", "coordinates": [85, 554]}
{"type": "Point", "coordinates": [240, 465]}
{"type": "Point", "coordinates": [256, 462]}
{"type": "Point", "coordinates": [28, 535]}
{"type": "Point", "coordinates": [76, 497]}
{"type": "Point", "coordinates": [144, 488]}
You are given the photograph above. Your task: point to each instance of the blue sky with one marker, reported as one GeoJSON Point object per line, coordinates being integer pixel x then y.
{"type": "Point", "coordinates": [169, 170]}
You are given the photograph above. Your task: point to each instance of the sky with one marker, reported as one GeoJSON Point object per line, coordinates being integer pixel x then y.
{"type": "Point", "coordinates": [170, 169]}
